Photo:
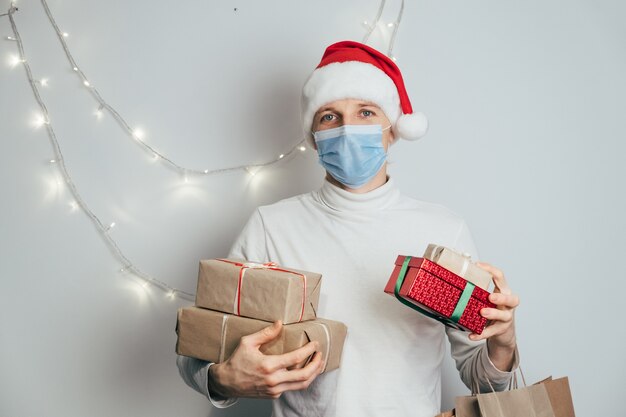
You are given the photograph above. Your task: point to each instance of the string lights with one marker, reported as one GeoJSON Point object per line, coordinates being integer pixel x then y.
{"type": "Point", "coordinates": [136, 134]}
{"type": "Point", "coordinates": [395, 25]}
{"type": "Point", "coordinates": [79, 202]}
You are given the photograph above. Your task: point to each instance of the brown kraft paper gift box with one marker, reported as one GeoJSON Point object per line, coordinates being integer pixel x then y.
{"type": "Point", "coordinates": [213, 336]}
{"type": "Point", "coordinates": [261, 291]}
{"type": "Point", "coordinates": [459, 264]}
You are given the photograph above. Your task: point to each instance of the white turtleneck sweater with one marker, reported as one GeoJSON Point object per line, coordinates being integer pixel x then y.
{"type": "Point", "coordinates": [391, 364]}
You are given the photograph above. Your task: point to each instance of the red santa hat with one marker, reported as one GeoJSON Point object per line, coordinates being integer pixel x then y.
{"type": "Point", "coordinates": [353, 70]}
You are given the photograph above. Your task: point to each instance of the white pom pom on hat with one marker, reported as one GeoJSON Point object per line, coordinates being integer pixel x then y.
{"type": "Point", "coordinates": [353, 70]}
{"type": "Point", "coordinates": [412, 126]}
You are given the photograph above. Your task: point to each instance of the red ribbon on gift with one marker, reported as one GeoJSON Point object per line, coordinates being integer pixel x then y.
{"type": "Point", "coordinates": [268, 265]}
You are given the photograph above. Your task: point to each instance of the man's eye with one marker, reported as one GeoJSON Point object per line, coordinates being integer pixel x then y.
{"type": "Point", "coordinates": [367, 113]}
{"type": "Point", "coordinates": [328, 118]}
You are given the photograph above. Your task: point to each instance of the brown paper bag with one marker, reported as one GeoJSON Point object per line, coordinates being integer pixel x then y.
{"type": "Point", "coordinates": [213, 336]}
{"type": "Point", "coordinates": [545, 398]}
{"type": "Point", "coordinates": [560, 396]}
{"type": "Point", "coordinates": [466, 407]}
{"type": "Point", "coordinates": [532, 401]}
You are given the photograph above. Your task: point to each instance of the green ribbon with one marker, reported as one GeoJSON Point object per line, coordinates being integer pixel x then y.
{"type": "Point", "coordinates": [462, 303]}
{"type": "Point", "coordinates": [399, 281]}
{"type": "Point", "coordinates": [458, 310]}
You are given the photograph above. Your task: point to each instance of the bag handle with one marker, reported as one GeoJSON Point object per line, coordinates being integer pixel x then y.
{"type": "Point", "coordinates": [512, 385]}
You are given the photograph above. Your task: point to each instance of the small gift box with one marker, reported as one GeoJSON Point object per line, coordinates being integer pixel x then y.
{"type": "Point", "coordinates": [438, 293]}
{"type": "Point", "coordinates": [213, 336]}
{"type": "Point", "coordinates": [460, 264]}
{"type": "Point", "coordinates": [261, 291]}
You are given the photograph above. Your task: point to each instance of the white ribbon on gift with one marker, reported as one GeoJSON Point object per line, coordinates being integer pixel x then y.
{"type": "Point", "coordinates": [467, 260]}
{"type": "Point", "coordinates": [327, 333]}
{"type": "Point", "coordinates": [223, 338]}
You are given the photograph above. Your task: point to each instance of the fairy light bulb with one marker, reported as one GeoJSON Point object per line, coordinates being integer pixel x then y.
{"type": "Point", "coordinates": [75, 68]}
{"type": "Point", "coordinates": [281, 156]}
{"type": "Point", "coordinates": [111, 226]}
{"type": "Point", "coordinates": [44, 82]}
{"type": "Point", "coordinates": [138, 134]}
{"type": "Point", "coordinates": [250, 171]}
{"type": "Point", "coordinates": [65, 34]}
{"type": "Point", "coordinates": [14, 60]}
{"type": "Point", "coordinates": [390, 24]}
{"type": "Point", "coordinates": [52, 161]}
{"type": "Point", "coordinates": [302, 148]}
{"type": "Point", "coordinates": [40, 121]}
{"type": "Point", "coordinates": [171, 294]}
{"type": "Point", "coordinates": [206, 171]}
{"type": "Point", "coordinates": [86, 83]}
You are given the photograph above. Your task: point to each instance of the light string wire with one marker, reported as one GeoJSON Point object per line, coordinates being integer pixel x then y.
{"type": "Point", "coordinates": [371, 27]}
{"type": "Point", "coordinates": [396, 25]}
{"type": "Point", "coordinates": [128, 266]}
{"type": "Point", "coordinates": [134, 134]}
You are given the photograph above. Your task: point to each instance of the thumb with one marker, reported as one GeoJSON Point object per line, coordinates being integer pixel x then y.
{"type": "Point", "coordinates": [267, 334]}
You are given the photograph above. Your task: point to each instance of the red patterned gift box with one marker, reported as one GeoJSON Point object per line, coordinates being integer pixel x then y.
{"type": "Point", "coordinates": [438, 293]}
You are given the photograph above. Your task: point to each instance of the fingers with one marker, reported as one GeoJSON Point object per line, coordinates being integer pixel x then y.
{"type": "Point", "coordinates": [498, 277]}
{"type": "Point", "coordinates": [501, 319]}
{"type": "Point", "coordinates": [495, 314]}
{"type": "Point", "coordinates": [504, 300]}
{"type": "Point", "coordinates": [500, 322]}
{"type": "Point", "coordinates": [297, 379]}
{"type": "Point", "coordinates": [287, 360]}
{"type": "Point", "coordinates": [492, 330]}
{"type": "Point", "coordinates": [263, 336]}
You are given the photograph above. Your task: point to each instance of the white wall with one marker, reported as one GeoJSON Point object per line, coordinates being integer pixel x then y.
{"type": "Point", "coordinates": [526, 103]}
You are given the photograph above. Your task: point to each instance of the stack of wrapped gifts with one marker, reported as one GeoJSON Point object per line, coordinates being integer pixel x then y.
{"type": "Point", "coordinates": [235, 298]}
{"type": "Point", "coordinates": [444, 285]}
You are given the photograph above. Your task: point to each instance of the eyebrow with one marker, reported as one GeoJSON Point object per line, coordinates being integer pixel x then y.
{"type": "Point", "coordinates": [361, 105]}
{"type": "Point", "coordinates": [368, 104]}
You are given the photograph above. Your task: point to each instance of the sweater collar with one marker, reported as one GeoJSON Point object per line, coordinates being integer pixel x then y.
{"type": "Point", "coordinates": [339, 199]}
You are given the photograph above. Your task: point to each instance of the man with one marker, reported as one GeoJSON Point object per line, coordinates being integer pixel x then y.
{"type": "Point", "coordinates": [351, 230]}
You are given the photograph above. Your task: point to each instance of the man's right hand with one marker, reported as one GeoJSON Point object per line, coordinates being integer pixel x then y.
{"type": "Point", "coordinates": [250, 373]}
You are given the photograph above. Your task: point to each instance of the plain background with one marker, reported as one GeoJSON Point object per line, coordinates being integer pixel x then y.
{"type": "Point", "coordinates": [526, 105]}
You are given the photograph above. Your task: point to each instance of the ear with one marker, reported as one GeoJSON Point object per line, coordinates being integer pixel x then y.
{"type": "Point", "coordinates": [311, 141]}
{"type": "Point", "coordinates": [390, 137]}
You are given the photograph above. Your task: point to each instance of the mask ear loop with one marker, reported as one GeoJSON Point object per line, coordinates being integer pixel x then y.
{"type": "Point", "coordinates": [394, 136]}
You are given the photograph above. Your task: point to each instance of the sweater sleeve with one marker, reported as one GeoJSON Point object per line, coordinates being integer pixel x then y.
{"type": "Point", "coordinates": [249, 245]}
{"type": "Point", "coordinates": [195, 373]}
{"type": "Point", "coordinates": [477, 371]}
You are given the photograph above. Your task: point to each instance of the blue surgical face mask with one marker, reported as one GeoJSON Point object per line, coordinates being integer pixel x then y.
{"type": "Point", "coordinates": [352, 154]}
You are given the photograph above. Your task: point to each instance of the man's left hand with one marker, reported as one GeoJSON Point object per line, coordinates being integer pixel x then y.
{"type": "Point", "coordinates": [500, 332]}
